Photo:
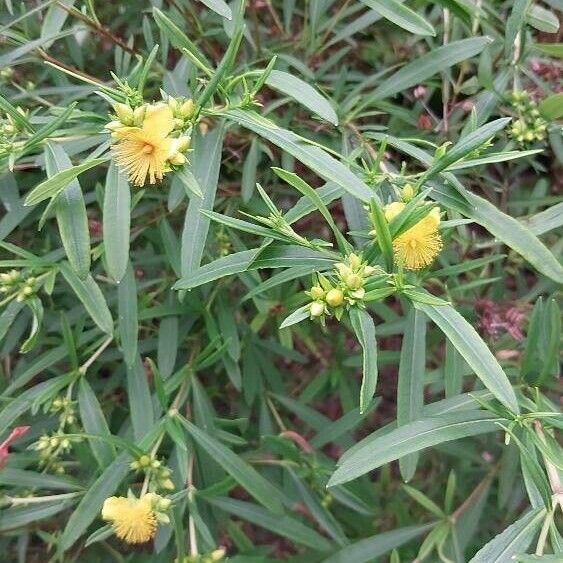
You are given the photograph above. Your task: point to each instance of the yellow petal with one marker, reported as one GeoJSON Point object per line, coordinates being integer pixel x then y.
{"type": "Point", "coordinates": [158, 122]}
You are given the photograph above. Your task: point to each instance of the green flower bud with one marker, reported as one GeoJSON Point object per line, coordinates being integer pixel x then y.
{"type": "Point", "coordinates": [334, 297]}
{"type": "Point", "coordinates": [407, 193]}
{"type": "Point", "coordinates": [353, 281]}
{"type": "Point", "coordinates": [317, 292]}
{"type": "Point", "coordinates": [317, 309]}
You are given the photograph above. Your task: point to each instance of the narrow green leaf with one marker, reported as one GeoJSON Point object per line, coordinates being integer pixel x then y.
{"type": "Point", "coordinates": [311, 155]}
{"type": "Point", "coordinates": [91, 504]}
{"type": "Point", "coordinates": [94, 422]}
{"type": "Point", "coordinates": [18, 516]}
{"type": "Point", "coordinates": [465, 146]}
{"type": "Point", "coordinates": [303, 93]}
{"type": "Point", "coordinates": [140, 402]}
{"type": "Point", "coordinates": [226, 266]}
{"type": "Point", "coordinates": [476, 353]}
{"type": "Point", "coordinates": [244, 474]}
{"type": "Point", "coordinates": [307, 191]}
{"type": "Point", "coordinates": [402, 16]}
{"type": "Point", "coordinates": [207, 160]}
{"type": "Point", "coordinates": [296, 317]}
{"type": "Point", "coordinates": [411, 438]}
{"type": "Point", "coordinates": [116, 222]}
{"type": "Point", "coordinates": [177, 36]}
{"type": "Point", "coordinates": [430, 64]}
{"type": "Point", "coordinates": [55, 184]}
{"type": "Point", "coordinates": [91, 297]}
{"type": "Point", "coordinates": [219, 7]}
{"type": "Point", "coordinates": [364, 327]}
{"type": "Point", "coordinates": [285, 526]}
{"type": "Point", "coordinates": [410, 387]}
{"type": "Point", "coordinates": [128, 326]}
{"type": "Point", "coordinates": [368, 549]}
{"type": "Point", "coordinates": [383, 235]}
{"type": "Point", "coordinates": [70, 210]}
{"type": "Point", "coordinates": [513, 540]}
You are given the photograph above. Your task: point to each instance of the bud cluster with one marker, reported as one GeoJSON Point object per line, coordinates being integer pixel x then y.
{"type": "Point", "coordinates": [347, 289]}
{"type": "Point", "coordinates": [18, 285]}
{"type": "Point", "coordinates": [157, 473]}
{"type": "Point", "coordinates": [67, 409]}
{"type": "Point", "coordinates": [529, 126]}
{"type": "Point", "coordinates": [9, 131]}
{"type": "Point", "coordinates": [182, 110]}
{"type": "Point", "coordinates": [51, 448]}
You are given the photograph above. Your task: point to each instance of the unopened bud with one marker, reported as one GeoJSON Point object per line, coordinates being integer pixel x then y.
{"type": "Point", "coordinates": [353, 281]}
{"type": "Point", "coordinates": [187, 109]}
{"type": "Point", "coordinates": [355, 261]}
{"type": "Point", "coordinates": [317, 309]}
{"type": "Point", "coordinates": [167, 484]}
{"type": "Point", "coordinates": [124, 113]}
{"type": "Point", "coordinates": [317, 292]}
{"type": "Point", "coordinates": [407, 193]}
{"type": "Point", "coordinates": [334, 297]}
{"type": "Point", "coordinates": [177, 159]}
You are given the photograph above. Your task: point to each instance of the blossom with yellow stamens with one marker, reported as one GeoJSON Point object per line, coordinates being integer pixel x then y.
{"type": "Point", "coordinates": [146, 153]}
{"type": "Point", "coordinates": [418, 246]}
{"type": "Point", "coordinates": [134, 520]}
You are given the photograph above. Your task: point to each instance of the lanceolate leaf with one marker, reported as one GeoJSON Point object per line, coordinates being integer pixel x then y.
{"type": "Point", "coordinates": [411, 438]}
{"type": "Point", "coordinates": [303, 93]}
{"type": "Point", "coordinates": [364, 327]}
{"type": "Point", "coordinates": [410, 386]}
{"type": "Point", "coordinates": [116, 222]}
{"type": "Point", "coordinates": [476, 353]}
{"type": "Point", "coordinates": [55, 184]}
{"type": "Point", "coordinates": [243, 473]}
{"type": "Point", "coordinates": [399, 14]}
{"type": "Point", "coordinates": [309, 154]}
{"type": "Point", "coordinates": [71, 213]}
{"type": "Point", "coordinates": [367, 549]}
{"type": "Point", "coordinates": [513, 541]}
{"type": "Point", "coordinates": [428, 65]}
{"type": "Point", "coordinates": [206, 158]}
{"type": "Point", "coordinates": [283, 525]}
{"type": "Point", "coordinates": [91, 296]}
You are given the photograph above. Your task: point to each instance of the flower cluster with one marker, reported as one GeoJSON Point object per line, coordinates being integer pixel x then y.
{"type": "Point", "coordinates": [150, 139]}
{"type": "Point", "coordinates": [135, 520]}
{"type": "Point", "coordinates": [418, 246]}
{"type": "Point", "coordinates": [157, 475]}
{"type": "Point", "coordinates": [346, 289]}
{"type": "Point", "coordinates": [529, 126]}
{"type": "Point", "coordinates": [16, 284]}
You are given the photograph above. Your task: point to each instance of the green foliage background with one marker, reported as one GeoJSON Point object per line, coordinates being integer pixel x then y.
{"type": "Point", "coordinates": [172, 321]}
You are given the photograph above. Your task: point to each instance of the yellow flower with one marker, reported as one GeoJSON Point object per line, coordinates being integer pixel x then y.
{"type": "Point", "coordinates": [133, 520]}
{"type": "Point", "coordinates": [418, 246]}
{"type": "Point", "coordinates": [147, 152]}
